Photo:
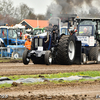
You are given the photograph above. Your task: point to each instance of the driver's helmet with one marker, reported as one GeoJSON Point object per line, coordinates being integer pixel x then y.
{"type": "Point", "coordinates": [55, 26]}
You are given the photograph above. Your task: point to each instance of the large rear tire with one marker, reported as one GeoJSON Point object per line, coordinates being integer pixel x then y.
{"type": "Point", "coordinates": [25, 59]}
{"type": "Point", "coordinates": [66, 50]}
{"type": "Point", "coordinates": [94, 54]}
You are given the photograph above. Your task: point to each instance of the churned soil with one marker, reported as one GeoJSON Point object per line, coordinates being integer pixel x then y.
{"type": "Point", "coordinates": [21, 69]}
{"type": "Point", "coordinates": [49, 91]}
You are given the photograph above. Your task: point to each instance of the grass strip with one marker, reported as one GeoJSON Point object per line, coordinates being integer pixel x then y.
{"type": "Point", "coordinates": [58, 75]}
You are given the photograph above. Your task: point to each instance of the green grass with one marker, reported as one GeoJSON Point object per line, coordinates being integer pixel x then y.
{"type": "Point", "coordinates": [8, 60]}
{"type": "Point", "coordinates": [83, 73]}
{"type": "Point", "coordinates": [28, 84]}
{"type": "Point", "coordinates": [73, 81]}
{"type": "Point", "coordinates": [16, 77]}
{"type": "Point", "coordinates": [55, 82]}
{"type": "Point", "coordinates": [5, 85]}
{"type": "Point", "coordinates": [58, 75]}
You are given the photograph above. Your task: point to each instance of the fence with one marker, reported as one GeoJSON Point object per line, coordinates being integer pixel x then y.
{"type": "Point", "coordinates": [11, 52]}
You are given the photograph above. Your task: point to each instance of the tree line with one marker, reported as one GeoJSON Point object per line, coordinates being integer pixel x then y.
{"type": "Point", "coordinates": [12, 15]}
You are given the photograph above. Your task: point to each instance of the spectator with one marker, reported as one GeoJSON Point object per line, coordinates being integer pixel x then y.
{"type": "Point", "coordinates": [28, 43]}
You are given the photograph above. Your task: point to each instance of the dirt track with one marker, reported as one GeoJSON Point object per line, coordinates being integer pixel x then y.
{"type": "Point", "coordinates": [50, 91]}
{"type": "Point", "coordinates": [21, 69]}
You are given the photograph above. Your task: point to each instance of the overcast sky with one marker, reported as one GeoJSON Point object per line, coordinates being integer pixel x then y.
{"type": "Point", "coordinates": [40, 6]}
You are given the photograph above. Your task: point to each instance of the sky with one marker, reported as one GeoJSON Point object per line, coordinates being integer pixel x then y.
{"type": "Point", "coordinates": [40, 6]}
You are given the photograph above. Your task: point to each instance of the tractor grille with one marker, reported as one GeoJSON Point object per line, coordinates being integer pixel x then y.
{"type": "Point", "coordinates": [38, 42]}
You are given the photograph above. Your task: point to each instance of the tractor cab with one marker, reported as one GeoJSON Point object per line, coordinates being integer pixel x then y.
{"type": "Point", "coordinates": [9, 36]}
{"type": "Point", "coordinates": [20, 31]}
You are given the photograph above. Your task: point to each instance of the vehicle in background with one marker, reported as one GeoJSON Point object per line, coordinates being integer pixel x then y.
{"type": "Point", "coordinates": [37, 31]}
{"type": "Point", "coordinates": [88, 35]}
{"type": "Point", "coordinates": [9, 38]}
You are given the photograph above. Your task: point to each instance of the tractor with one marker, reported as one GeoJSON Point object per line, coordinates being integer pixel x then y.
{"type": "Point", "coordinates": [45, 47]}
{"type": "Point", "coordinates": [89, 35]}
{"type": "Point", "coordinates": [9, 38]}
{"type": "Point", "coordinates": [86, 41]}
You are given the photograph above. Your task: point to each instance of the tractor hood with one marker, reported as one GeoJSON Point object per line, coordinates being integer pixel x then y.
{"type": "Point", "coordinates": [18, 41]}
{"type": "Point", "coordinates": [41, 35]}
{"type": "Point", "coordinates": [16, 46]}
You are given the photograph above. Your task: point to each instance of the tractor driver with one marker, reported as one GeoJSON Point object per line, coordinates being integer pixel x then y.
{"type": "Point", "coordinates": [86, 32]}
{"type": "Point", "coordinates": [55, 32]}
{"type": "Point", "coordinates": [28, 43]}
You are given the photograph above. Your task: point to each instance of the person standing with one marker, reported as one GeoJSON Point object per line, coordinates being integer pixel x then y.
{"type": "Point", "coordinates": [28, 43]}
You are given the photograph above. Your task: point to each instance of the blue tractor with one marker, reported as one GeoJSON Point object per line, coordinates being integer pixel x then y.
{"type": "Point", "coordinates": [89, 37]}
{"type": "Point", "coordinates": [86, 41]}
{"type": "Point", "coordinates": [44, 48]}
{"type": "Point", "coordinates": [9, 38]}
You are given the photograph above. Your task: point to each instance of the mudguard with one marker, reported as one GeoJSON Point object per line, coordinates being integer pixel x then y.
{"type": "Point", "coordinates": [78, 52]}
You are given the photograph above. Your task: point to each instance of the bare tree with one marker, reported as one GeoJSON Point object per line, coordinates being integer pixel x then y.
{"type": "Point", "coordinates": [41, 17]}
{"type": "Point", "coordinates": [23, 11]}
{"type": "Point", "coordinates": [31, 15]}
{"type": "Point", "coordinates": [6, 7]}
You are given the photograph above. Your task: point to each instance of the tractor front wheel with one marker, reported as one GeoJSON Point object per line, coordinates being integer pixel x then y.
{"type": "Point", "coordinates": [48, 58]}
{"type": "Point", "coordinates": [25, 59]}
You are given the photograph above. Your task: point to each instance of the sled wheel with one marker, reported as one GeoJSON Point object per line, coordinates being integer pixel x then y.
{"type": "Point", "coordinates": [95, 54]}
{"type": "Point", "coordinates": [83, 58]}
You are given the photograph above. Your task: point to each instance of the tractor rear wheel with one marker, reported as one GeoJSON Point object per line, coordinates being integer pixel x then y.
{"type": "Point", "coordinates": [25, 59]}
{"type": "Point", "coordinates": [66, 50]}
{"type": "Point", "coordinates": [94, 54]}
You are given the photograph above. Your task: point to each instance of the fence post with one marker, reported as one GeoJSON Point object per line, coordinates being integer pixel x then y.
{"type": "Point", "coordinates": [1, 52]}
